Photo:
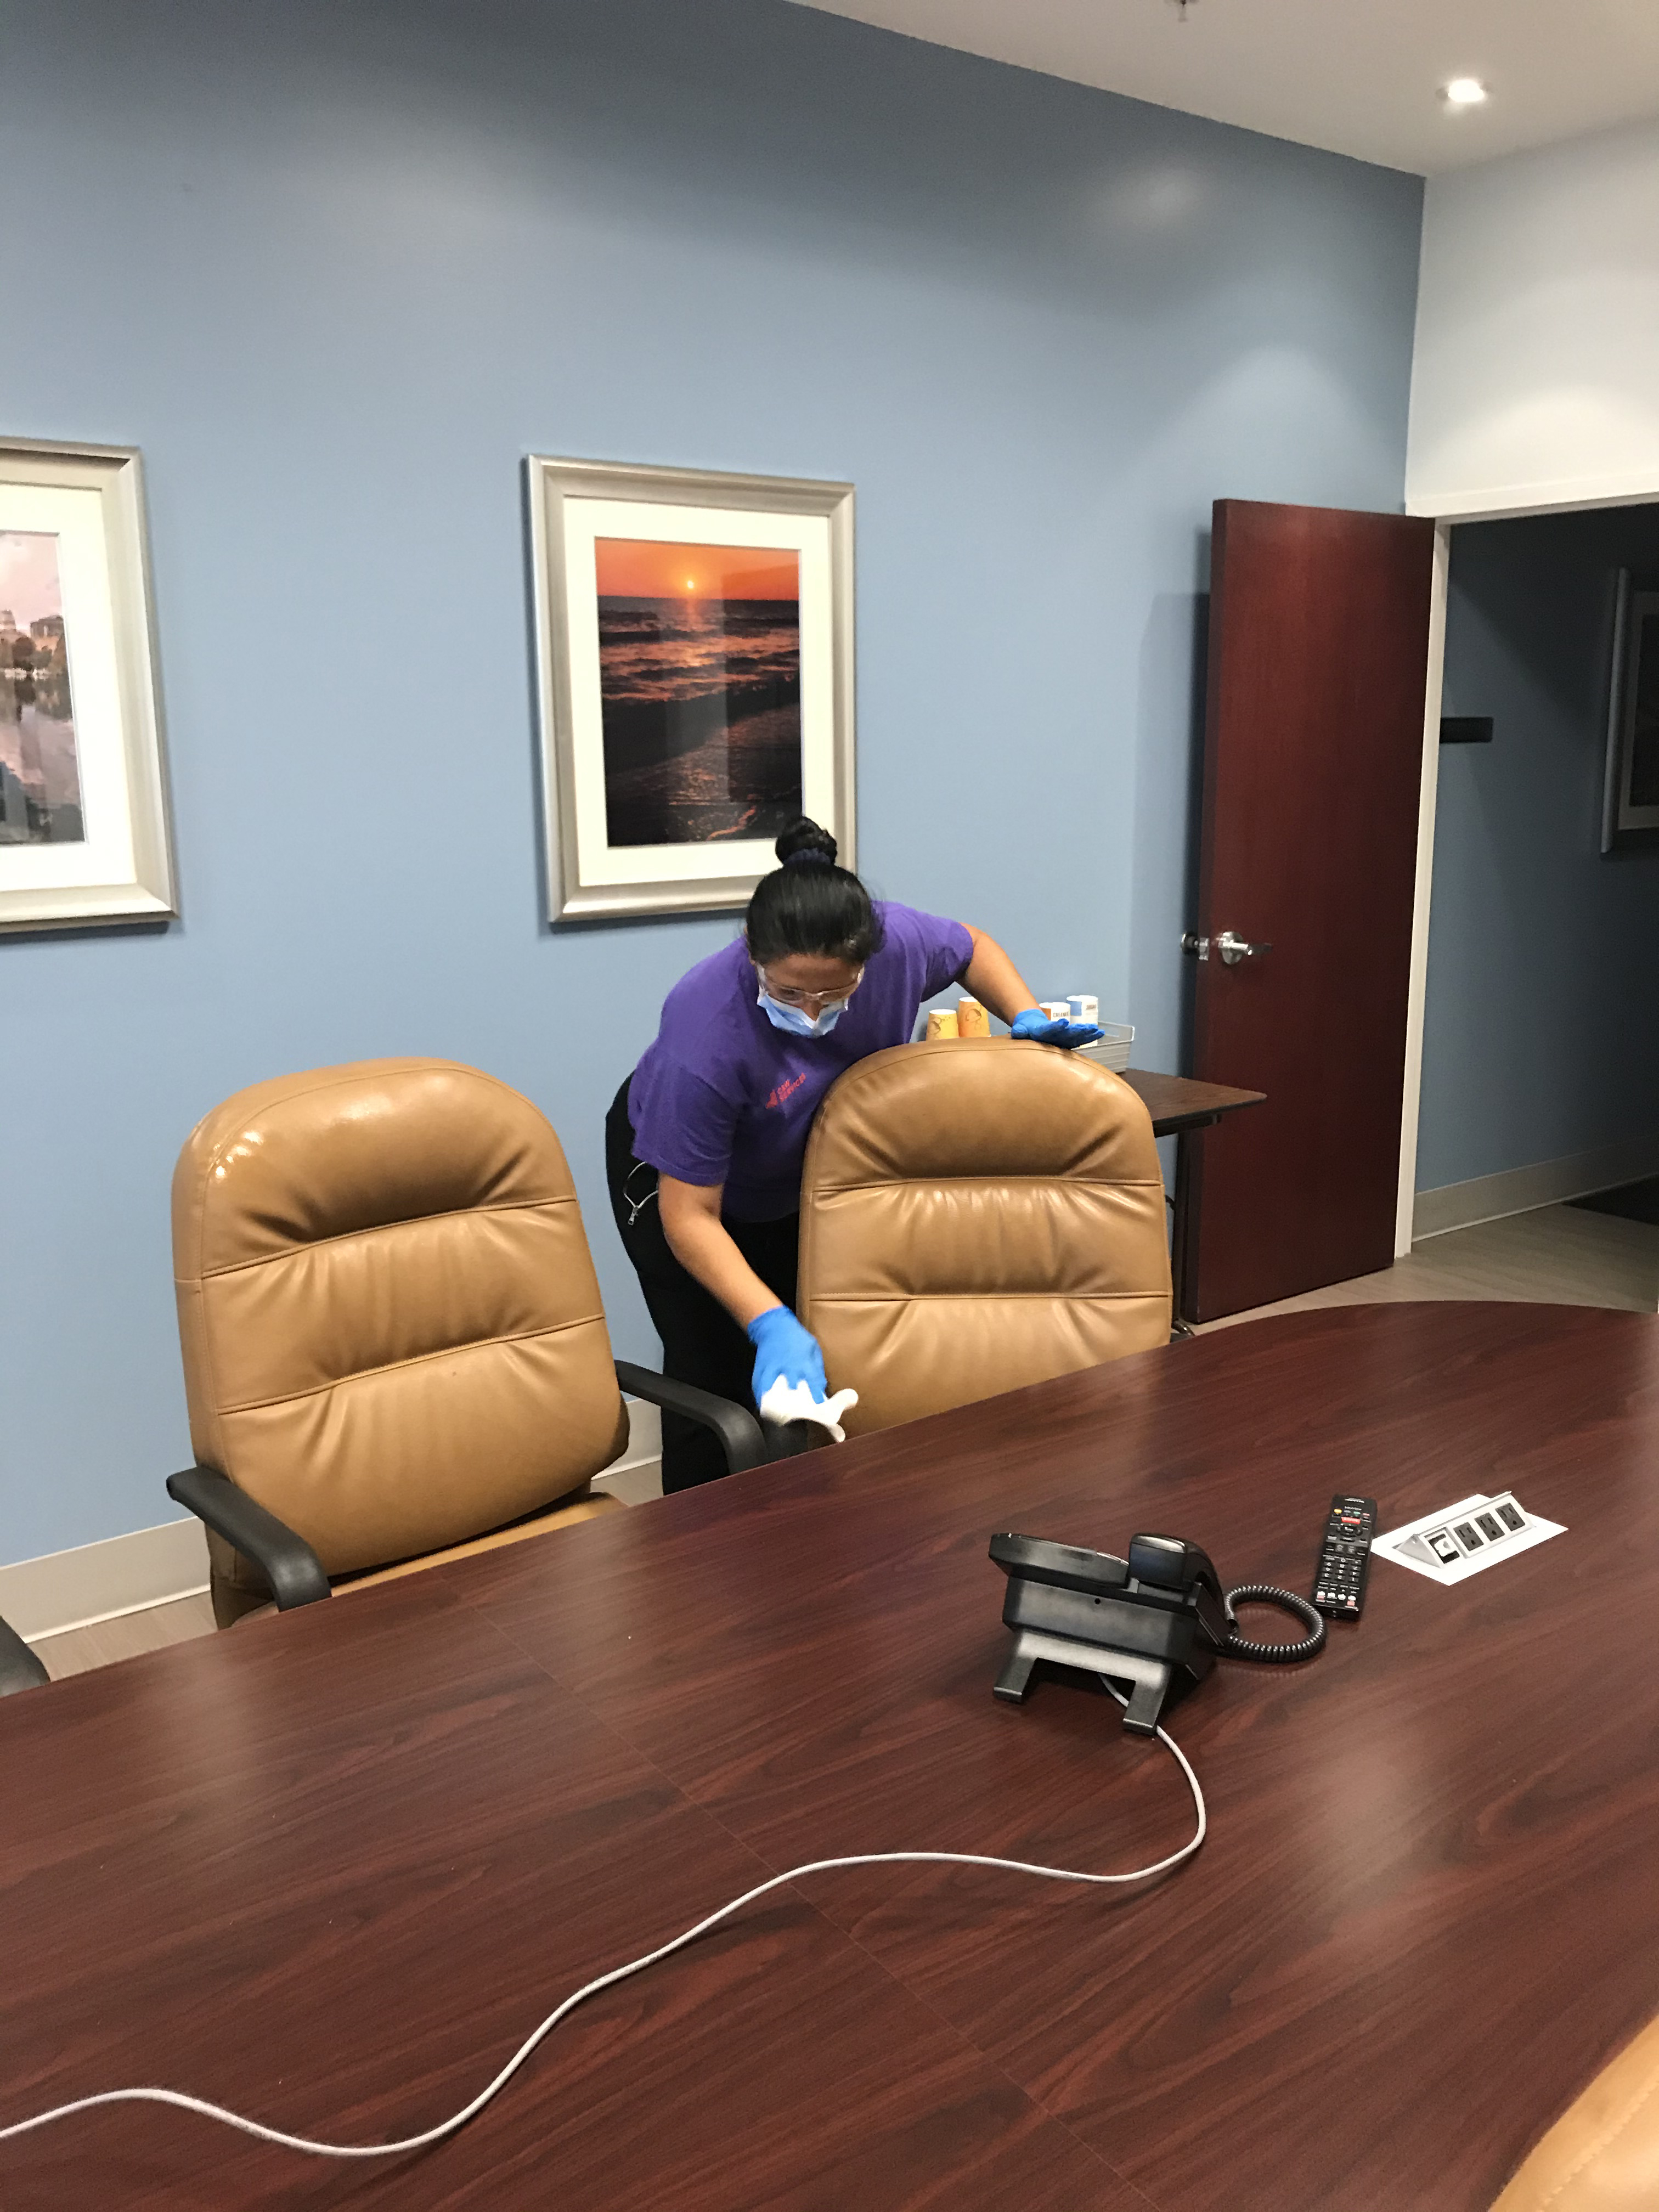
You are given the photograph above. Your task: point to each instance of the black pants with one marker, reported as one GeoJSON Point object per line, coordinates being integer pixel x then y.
{"type": "Point", "coordinates": [701, 1342]}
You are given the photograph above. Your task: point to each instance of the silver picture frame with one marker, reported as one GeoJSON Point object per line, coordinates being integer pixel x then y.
{"type": "Point", "coordinates": [1629, 791]}
{"type": "Point", "coordinates": [586, 877]}
{"type": "Point", "coordinates": [97, 657]}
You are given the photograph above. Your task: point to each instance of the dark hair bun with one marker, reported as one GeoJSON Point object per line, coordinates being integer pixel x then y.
{"type": "Point", "coordinates": [810, 905]}
{"type": "Point", "coordinates": [805, 840]}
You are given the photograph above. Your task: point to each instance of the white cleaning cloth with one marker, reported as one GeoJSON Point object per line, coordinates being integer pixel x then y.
{"type": "Point", "coordinates": [793, 1402]}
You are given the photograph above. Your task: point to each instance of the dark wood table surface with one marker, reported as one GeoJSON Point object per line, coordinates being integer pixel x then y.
{"type": "Point", "coordinates": [1178, 1103]}
{"type": "Point", "coordinates": [330, 1867]}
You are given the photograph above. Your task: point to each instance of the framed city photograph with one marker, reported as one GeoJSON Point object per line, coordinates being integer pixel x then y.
{"type": "Point", "coordinates": [1629, 800]}
{"type": "Point", "coordinates": [83, 818]}
{"type": "Point", "coordinates": [694, 643]}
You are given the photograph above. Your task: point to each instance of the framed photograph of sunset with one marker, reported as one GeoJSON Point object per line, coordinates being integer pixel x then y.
{"type": "Point", "coordinates": [694, 642]}
{"type": "Point", "coordinates": [83, 818]}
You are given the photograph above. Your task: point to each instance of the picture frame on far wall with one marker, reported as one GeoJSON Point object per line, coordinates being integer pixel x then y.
{"type": "Point", "coordinates": [84, 835]}
{"type": "Point", "coordinates": [695, 678]}
{"type": "Point", "coordinates": [1630, 798]}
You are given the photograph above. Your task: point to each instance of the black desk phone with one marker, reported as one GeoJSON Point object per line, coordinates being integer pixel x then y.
{"type": "Point", "coordinates": [1155, 1622]}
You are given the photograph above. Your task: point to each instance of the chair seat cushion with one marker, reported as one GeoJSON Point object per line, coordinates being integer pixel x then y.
{"type": "Point", "coordinates": [586, 1507]}
{"type": "Point", "coordinates": [564, 1515]}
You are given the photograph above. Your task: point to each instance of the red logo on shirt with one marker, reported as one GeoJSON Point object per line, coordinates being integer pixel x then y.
{"type": "Point", "coordinates": [785, 1091]}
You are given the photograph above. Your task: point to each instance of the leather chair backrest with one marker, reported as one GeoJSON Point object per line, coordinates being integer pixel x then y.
{"type": "Point", "coordinates": [1602, 2155]}
{"type": "Point", "coordinates": [392, 1328]}
{"type": "Point", "coordinates": [977, 1214]}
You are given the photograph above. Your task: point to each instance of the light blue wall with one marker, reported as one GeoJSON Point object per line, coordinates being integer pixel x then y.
{"type": "Point", "coordinates": [1542, 1023]}
{"type": "Point", "coordinates": [336, 268]}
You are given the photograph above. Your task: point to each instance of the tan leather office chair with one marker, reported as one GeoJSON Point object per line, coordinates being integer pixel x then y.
{"type": "Point", "coordinates": [977, 1214]}
{"type": "Point", "coordinates": [393, 1344]}
{"type": "Point", "coordinates": [1602, 2155]}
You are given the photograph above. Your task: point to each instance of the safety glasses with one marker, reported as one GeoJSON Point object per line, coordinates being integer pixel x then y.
{"type": "Point", "coordinates": [810, 1002]}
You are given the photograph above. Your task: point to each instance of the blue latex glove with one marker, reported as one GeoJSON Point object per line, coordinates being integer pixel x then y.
{"type": "Point", "coordinates": [783, 1347]}
{"type": "Point", "coordinates": [1067, 1036]}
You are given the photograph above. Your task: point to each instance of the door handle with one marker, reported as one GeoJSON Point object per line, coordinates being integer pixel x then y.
{"type": "Point", "coordinates": [1234, 948]}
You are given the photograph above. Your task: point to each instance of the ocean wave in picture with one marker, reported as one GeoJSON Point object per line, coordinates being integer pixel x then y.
{"type": "Point", "coordinates": [700, 688]}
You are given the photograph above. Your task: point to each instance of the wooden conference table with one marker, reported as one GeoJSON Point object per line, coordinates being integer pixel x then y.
{"type": "Point", "coordinates": [330, 1867]}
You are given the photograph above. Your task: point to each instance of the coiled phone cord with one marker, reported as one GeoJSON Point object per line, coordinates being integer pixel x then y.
{"type": "Point", "coordinates": [1242, 1647]}
{"type": "Point", "coordinates": [458, 2120]}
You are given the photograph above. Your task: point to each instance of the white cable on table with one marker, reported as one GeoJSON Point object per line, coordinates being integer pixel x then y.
{"type": "Point", "coordinates": [210, 2112]}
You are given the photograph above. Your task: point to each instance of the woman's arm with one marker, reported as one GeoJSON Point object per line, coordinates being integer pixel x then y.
{"type": "Point", "coordinates": [992, 978]}
{"type": "Point", "coordinates": [691, 1222]}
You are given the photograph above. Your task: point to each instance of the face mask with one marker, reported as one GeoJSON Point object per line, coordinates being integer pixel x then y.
{"type": "Point", "coordinates": [796, 1019]}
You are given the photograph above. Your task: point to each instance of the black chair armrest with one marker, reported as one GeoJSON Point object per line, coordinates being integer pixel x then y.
{"type": "Point", "coordinates": [739, 1432]}
{"type": "Point", "coordinates": [18, 1668]}
{"type": "Point", "coordinates": [287, 1561]}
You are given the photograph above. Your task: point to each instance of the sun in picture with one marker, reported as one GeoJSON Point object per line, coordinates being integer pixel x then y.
{"type": "Point", "coordinates": [700, 688]}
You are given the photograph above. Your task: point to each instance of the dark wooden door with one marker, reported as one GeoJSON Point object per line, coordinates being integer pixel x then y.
{"type": "Point", "coordinates": [1318, 660]}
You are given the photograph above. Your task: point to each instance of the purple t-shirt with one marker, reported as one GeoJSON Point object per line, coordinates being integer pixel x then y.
{"type": "Point", "coordinates": [722, 1097]}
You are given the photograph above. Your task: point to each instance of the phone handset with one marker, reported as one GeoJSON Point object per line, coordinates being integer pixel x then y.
{"type": "Point", "coordinates": [1170, 1562]}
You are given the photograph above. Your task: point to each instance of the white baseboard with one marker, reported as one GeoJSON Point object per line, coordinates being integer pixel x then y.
{"type": "Point", "coordinates": [153, 1566]}
{"type": "Point", "coordinates": [96, 1581]}
{"type": "Point", "coordinates": [1519, 1190]}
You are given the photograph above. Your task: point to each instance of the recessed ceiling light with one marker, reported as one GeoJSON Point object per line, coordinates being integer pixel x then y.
{"type": "Point", "coordinates": [1464, 92]}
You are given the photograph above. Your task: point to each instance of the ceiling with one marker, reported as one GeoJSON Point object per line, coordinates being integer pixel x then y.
{"type": "Point", "coordinates": [1356, 76]}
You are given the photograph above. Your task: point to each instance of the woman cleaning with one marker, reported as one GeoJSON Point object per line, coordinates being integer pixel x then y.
{"type": "Point", "coordinates": [705, 1140]}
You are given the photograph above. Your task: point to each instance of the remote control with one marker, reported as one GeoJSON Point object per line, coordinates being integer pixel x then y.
{"type": "Point", "coordinates": [1344, 1557]}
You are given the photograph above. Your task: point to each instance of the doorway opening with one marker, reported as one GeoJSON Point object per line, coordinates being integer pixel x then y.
{"type": "Point", "coordinates": [1537, 1151]}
